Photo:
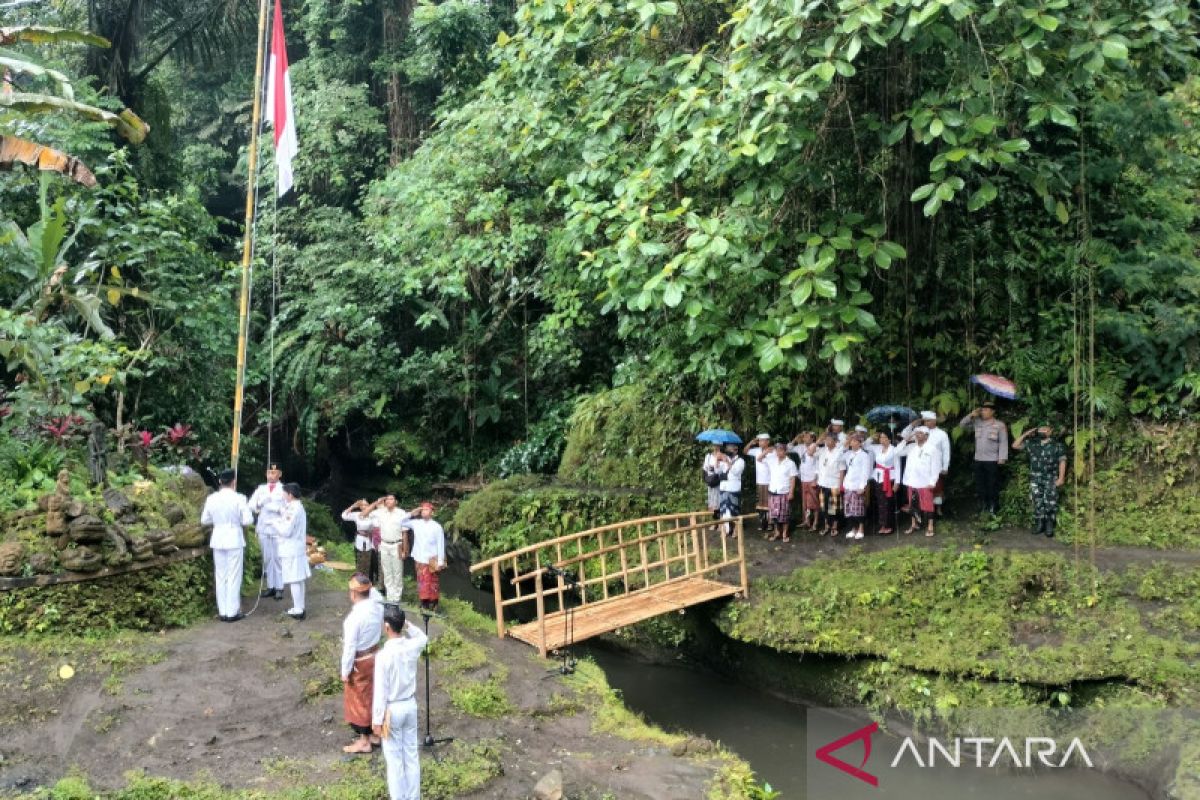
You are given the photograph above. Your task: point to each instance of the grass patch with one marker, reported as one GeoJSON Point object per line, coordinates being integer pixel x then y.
{"type": "Point", "coordinates": [455, 654]}
{"type": "Point", "coordinates": [460, 769]}
{"type": "Point", "coordinates": [486, 698]}
{"type": "Point", "coordinates": [463, 615]}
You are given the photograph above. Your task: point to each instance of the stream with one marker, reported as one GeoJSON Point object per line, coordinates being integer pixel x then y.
{"type": "Point", "coordinates": [771, 734]}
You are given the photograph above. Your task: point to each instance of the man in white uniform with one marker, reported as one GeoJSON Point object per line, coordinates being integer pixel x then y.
{"type": "Point", "coordinates": [922, 467]}
{"type": "Point", "coordinates": [941, 442]}
{"type": "Point", "coordinates": [393, 548]}
{"type": "Point", "coordinates": [228, 513]}
{"type": "Point", "coordinates": [782, 489]}
{"type": "Point", "coordinates": [429, 555]}
{"type": "Point", "coordinates": [293, 549]}
{"type": "Point", "coordinates": [267, 503]}
{"type": "Point", "coordinates": [361, 632]}
{"type": "Point", "coordinates": [762, 477]}
{"type": "Point", "coordinates": [394, 710]}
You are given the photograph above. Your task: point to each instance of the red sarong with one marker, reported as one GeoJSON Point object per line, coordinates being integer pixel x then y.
{"type": "Point", "coordinates": [428, 583]}
{"type": "Point", "coordinates": [922, 497]}
{"type": "Point", "coordinates": [812, 496]}
{"type": "Point", "coordinates": [357, 697]}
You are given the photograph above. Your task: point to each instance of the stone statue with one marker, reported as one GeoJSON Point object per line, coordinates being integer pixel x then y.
{"type": "Point", "coordinates": [98, 454]}
{"type": "Point", "coordinates": [56, 505]}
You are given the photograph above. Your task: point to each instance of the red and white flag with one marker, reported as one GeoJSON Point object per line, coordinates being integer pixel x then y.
{"type": "Point", "coordinates": [280, 112]}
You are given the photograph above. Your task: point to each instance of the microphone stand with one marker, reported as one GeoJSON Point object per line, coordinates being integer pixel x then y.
{"type": "Point", "coordinates": [567, 666]}
{"type": "Point", "coordinates": [430, 741]}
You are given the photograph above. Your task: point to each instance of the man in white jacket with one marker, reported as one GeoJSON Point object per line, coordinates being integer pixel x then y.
{"type": "Point", "coordinates": [228, 513]}
{"type": "Point", "coordinates": [922, 467]}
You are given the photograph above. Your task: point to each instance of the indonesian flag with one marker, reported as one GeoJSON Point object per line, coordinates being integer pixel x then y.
{"type": "Point", "coordinates": [280, 112]}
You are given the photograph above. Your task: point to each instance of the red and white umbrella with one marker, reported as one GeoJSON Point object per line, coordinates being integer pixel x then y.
{"type": "Point", "coordinates": [996, 384]}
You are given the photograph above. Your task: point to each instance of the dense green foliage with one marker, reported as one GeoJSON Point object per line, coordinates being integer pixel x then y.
{"type": "Point", "coordinates": [1006, 617]}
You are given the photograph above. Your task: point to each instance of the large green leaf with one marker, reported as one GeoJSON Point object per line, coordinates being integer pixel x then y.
{"type": "Point", "coordinates": [40, 34]}
{"type": "Point", "coordinates": [127, 123]}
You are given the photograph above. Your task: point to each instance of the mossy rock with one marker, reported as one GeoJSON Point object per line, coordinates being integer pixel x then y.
{"type": "Point", "coordinates": [189, 534]}
{"type": "Point", "coordinates": [160, 597]}
{"type": "Point", "coordinates": [12, 558]}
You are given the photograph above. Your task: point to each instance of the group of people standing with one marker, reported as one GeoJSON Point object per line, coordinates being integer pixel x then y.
{"type": "Point", "coordinates": [282, 526]}
{"type": "Point", "coordinates": [842, 475]}
{"type": "Point", "coordinates": [379, 682]}
{"type": "Point", "coordinates": [386, 535]}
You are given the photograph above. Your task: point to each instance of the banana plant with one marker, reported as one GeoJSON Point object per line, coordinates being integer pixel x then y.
{"type": "Point", "coordinates": [14, 150]}
{"type": "Point", "coordinates": [38, 257]}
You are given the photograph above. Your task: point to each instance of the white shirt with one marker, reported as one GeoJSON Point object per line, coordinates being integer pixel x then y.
{"type": "Point", "coordinates": [923, 464]}
{"type": "Point", "coordinates": [391, 523]}
{"type": "Point", "coordinates": [808, 461]}
{"type": "Point", "coordinates": [937, 437]}
{"type": "Point", "coordinates": [363, 526]}
{"type": "Point", "coordinates": [228, 512]}
{"type": "Point", "coordinates": [361, 629]}
{"type": "Point", "coordinates": [267, 503]}
{"type": "Point", "coordinates": [859, 465]}
{"type": "Point", "coordinates": [941, 440]}
{"type": "Point", "coordinates": [396, 670]}
{"type": "Point", "coordinates": [762, 473]}
{"type": "Point", "coordinates": [829, 464]}
{"type": "Point", "coordinates": [732, 482]}
{"type": "Point", "coordinates": [429, 541]}
{"type": "Point", "coordinates": [783, 473]}
{"type": "Point", "coordinates": [885, 458]}
{"type": "Point", "coordinates": [294, 530]}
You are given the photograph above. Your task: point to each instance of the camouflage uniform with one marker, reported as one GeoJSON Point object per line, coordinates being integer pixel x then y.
{"type": "Point", "coordinates": [1044, 458]}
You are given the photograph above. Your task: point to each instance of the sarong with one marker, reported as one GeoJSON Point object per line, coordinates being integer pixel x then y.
{"type": "Point", "coordinates": [922, 498]}
{"type": "Point", "coordinates": [764, 497]}
{"type": "Point", "coordinates": [428, 584]}
{"type": "Point", "coordinates": [831, 504]}
{"type": "Point", "coordinates": [856, 505]}
{"type": "Point", "coordinates": [812, 496]}
{"type": "Point", "coordinates": [780, 507]}
{"type": "Point", "coordinates": [357, 697]}
{"type": "Point", "coordinates": [731, 504]}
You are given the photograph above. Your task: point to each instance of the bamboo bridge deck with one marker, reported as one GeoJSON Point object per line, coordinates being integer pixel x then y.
{"type": "Point", "coordinates": [603, 579]}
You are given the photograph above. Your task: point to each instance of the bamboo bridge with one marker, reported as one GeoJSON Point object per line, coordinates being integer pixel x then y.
{"type": "Point", "coordinates": [599, 580]}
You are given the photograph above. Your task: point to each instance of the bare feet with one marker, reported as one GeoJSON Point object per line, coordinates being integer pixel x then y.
{"type": "Point", "coordinates": [359, 746]}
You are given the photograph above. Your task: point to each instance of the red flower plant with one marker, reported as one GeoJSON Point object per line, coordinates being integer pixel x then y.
{"type": "Point", "coordinates": [177, 433]}
{"type": "Point", "coordinates": [145, 439]}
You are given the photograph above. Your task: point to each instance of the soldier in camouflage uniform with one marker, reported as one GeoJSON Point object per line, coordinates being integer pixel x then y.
{"type": "Point", "coordinates": [1047, 472]}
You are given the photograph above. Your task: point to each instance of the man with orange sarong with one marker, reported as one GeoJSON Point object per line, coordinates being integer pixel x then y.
{"type": "Point", "coordinates": [429, 554]}
{"type": "Point", "coordinates": [361, 632]}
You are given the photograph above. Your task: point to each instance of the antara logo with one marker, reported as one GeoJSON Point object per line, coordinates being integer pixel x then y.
{"type": "Point", "coordinates": [1028, 753]}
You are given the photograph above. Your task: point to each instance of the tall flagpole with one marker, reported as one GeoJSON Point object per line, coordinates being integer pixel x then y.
{"type": "Point", "coordinates": [248, 243]}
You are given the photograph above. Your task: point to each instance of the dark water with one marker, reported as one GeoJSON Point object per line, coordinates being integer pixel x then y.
{"type": "Point", "coordinates": [772, 735]}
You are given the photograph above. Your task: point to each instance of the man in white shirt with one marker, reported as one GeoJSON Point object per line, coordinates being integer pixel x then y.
{"type": "Point", "coordinates": [806, 451]}
{"type": "Point", "coordinates": [429, 555]}
{"type": "Point", "coordinates": [762, 476]}
{"type": "Point", "coordinates": [782, 489]}
{"type": "Point", "coordinates": [829, 482]}
{"type": "Point", "coordinates": [922, 467]}
{"type": "Point", "coordinates": [730, 467]}
{"type": "Point", "coordinates": [837, 428]}
{"type": "Point", "coordinates": [393, 548]}
{"type": "Point", "coordinates": [361, 632]}
{"type": "Point", "coordinates": [228, 513]}
{"type": "Point", "coordinates": [394, 710]}
{"type": "Point", "coordinates": [939, 440]}
{"type": "Point", "coordinates": [267, 503]}
{"type": "Point", "coordinates": [366, 557]}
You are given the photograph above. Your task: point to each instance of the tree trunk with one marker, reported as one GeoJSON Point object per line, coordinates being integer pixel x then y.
{"type": "Point", "coordinates": [404, 127]}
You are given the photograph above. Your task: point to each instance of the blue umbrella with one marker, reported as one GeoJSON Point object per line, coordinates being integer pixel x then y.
{"type": "Point", "coordinates": [719, 436]}
{"type": "Point", "coordinates": [880, 415]}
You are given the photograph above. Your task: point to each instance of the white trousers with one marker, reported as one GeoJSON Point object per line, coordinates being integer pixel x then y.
{"type": "Point", "coordinates": [272, 566]}
{"type": "Point", "coordinates": [227, 567]}
{"type": "Point", "coordinates": [297, 590]}
{"type": "Point", "coordinates": [393, 570]}
{"type": "Point", "coordinates": [400, 752]}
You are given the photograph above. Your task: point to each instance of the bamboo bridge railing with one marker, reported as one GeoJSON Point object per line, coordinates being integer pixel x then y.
{"type": "Point", "coordinates": [623, 573]}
